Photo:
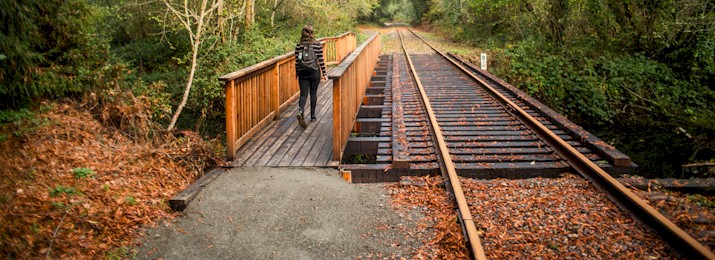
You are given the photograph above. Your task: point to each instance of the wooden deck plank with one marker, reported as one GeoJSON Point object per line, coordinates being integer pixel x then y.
{"type": "Point", "coordinates": [263, 154]}
{"type": "Point", "coordinates": [300, 151]}
{"type": "Point", "coordinates": [323, 140]}
{"type": "Point", "coordinates": [298, 145]}
{"type": "Point", "coordinates": [291, 126]}
{"type": "Point", "coordinates": [326, 152]}
{"type": "Point", "coordinates": [255, 143]}
{"type": "Point", "coordinates": [308, 147]}
{"type": "Point", "coordinates": [287, 143]}
{"type": "Point", "coordinates": [316, 140]}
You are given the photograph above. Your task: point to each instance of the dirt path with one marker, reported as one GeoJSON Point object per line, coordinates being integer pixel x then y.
{"type": "Point", "coordinates": [283, 213]}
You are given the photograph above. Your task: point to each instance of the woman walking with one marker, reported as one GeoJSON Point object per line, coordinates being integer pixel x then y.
{"type": "Point", "coordinates": [310, 70]}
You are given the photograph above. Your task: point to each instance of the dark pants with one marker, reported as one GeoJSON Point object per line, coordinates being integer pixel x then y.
{"type": "Point", "coordinates": [308, 81]}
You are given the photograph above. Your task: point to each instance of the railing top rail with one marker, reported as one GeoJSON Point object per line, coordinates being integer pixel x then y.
{"type": "Point", "coordinates": [338, 71]}
{"type": "Point", "coordinates": [255, 67]}
{"type": "Point", "coordinates": [336, 37]}
{"type": "Point", "coordinates": [247, 70]}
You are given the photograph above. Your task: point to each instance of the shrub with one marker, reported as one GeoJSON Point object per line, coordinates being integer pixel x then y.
{"type": "Point", "coordinates": [81, 173]}
{"type": "Point", "coordinates": [60, 190]}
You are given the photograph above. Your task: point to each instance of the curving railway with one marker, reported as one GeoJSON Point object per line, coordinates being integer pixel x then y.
{"type": "Point", "coordinates": [430, 113]}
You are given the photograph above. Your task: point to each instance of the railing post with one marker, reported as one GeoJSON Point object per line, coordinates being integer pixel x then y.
{"type": "Point", "coordinates": [230, 120]}
{"type": "Point", "coordinates": [275, 93]}
{"type": "Point", "coordinates": [337, 121]}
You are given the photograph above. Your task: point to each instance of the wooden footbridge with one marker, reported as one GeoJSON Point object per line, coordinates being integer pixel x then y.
{"type": "Point", "coordinates": [370, 123]}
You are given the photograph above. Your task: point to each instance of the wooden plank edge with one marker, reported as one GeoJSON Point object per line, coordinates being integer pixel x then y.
{"type": "Point", "coordinates": [346, 175]}
{"type": "Point", "coordinates": [180, 201]}
{"type": "Point", "coordinates": [334, 164]}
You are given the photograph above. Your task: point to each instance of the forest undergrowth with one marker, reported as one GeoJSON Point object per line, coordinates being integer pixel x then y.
{"type": "Point", "coordinates": [80, 178]}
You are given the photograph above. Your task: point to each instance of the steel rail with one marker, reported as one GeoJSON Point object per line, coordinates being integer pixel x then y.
{"type": "Point", "coordinates": [678, 239]}
{"type": "Point", "coordinates": [465, 215]}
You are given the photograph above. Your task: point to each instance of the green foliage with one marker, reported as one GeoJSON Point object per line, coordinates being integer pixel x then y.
{"type": "Point", "coordinates": [642, 98]}
{"type": "Point", "coordinates": [82, 172]}
{"type": "Point", "coordinates": [60, 190]}
{"type": "Point", "coordinates": [355, 158]}
{"type": "Point", "coordinates": [401, 11]}
{"type": "Point", "coordinates": [50, 49]}
{"type": "Point", "coordinates": [15, 116]}
{"type": "Point", "coordinates": [155, 94]}
{"type": "Point", "coordinates": [130, 200]}
{"type": "Point", "coordinates": [327, 17]}
{"type": "Point", "coordinates": [703, 201]}
{"type": "Point", "coordinates": [59, 205]}
{"type": "Point", "coordinates": [567, 82]}
{"type": "Point", "coordinates": [206, 103]}
{"type": "Point", "coordinates": [21, 121]}
{"type": "Point", "coordinates": [120, 253]}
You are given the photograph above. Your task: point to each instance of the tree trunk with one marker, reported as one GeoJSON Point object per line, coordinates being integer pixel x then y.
{"type": "Point", "coordinates": [250, 13]}
{"type": "Point", "coordinates": [220, 21]}
{"type": "Point", "coordinates": [196, 42]}
{"type": "Point", "coordinates": [194, 54]}
{"type": "Point", "coordinates": [273, 11]}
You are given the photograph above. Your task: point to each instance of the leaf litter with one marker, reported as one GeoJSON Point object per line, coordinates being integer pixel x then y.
{"type": "Point", "coordinates": [47, 211]}
{"type": "Point", "coordinates": [560, 218]}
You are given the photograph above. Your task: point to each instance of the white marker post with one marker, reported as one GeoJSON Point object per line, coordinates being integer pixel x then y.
{"type": "Point", "coordinates": [483, 59]}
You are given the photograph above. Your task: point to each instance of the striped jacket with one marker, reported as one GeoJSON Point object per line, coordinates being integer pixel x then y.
{"type": "Point", "coordinates": [318, 48]}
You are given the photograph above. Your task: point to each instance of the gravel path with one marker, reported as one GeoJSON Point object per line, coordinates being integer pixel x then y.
{"type": "Point", "coordinates": [284, 213]}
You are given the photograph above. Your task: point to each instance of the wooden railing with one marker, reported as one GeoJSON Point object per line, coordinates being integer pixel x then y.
{"type": "Point", "coordinates": [350, 80]}
{"type": "Point", "coordinates": [255, 95]}
{"type": "Point", "coordinates": [335, 48]}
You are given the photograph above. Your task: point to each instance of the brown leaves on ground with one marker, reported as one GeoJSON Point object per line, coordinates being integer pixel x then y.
{"type": "Point", "coordinates": [428, 194]}
{"type": "Point", "coordinates": [75, 188]}
{"type": "Point", "coordinates": [685, 212]}
{"type": "Point", "coordinates": [562, 218]}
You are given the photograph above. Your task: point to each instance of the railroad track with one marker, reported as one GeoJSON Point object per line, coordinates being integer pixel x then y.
{"type": "Point", "coordinates": [464, 122]}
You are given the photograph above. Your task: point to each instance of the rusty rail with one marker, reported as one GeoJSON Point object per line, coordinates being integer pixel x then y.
{"type": "Point", "coordinates": [350, 79]}
{"type": "Point", "coordinates": [255, 95]}
{"type": "Point", "coordinates": [465, 215]}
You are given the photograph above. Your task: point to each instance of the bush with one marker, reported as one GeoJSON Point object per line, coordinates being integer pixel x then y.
{"type": "Point", "coordinates": [82, 172]}
{"type": "Point", "coordinates": [567, 83]}
{"type": "Point", "coordinates": [633, 101]}
{"type": "Point", "coordinates": [49, 49]}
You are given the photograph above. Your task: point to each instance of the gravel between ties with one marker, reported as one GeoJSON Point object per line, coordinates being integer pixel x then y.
{"type": "Point", "coordinates": [565, 218]}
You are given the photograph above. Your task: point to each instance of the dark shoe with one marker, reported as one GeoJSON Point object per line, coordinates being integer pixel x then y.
{"type": "Point", "coordinates": [312, 118]}
{"type": "Point", "coordinates": [301, 121]}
